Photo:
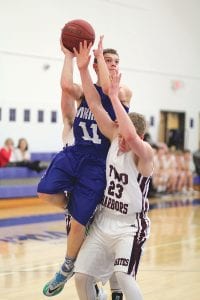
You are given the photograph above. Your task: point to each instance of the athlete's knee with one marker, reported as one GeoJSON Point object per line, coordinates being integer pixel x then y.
{"type": "Point", "coordinates": [122, 278]}
{"type": "Point", "coordinates": [128, 286]}
{"type": "Point", "coordinates": [43, 196]}
{"type": "Point", "coordinates": [85, 286]}
{"type": "Point", "coordinates": [55, 199]}
{"type": "Point", "coordinates": [80, 279]}
{"type": "Point", "coordinates": [79, 282]}
{"type": "Point", "coordinates": [114, 285]}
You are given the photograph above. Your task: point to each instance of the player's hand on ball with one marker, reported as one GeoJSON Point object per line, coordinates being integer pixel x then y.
{"type": "Point", "coordinates": [65, 50]}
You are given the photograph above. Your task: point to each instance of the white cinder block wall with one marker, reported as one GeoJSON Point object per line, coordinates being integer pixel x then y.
{"type": "Point", "coordinates": [158, 42]}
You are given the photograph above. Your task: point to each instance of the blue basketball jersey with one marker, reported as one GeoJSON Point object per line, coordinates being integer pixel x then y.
{"type": "Point", "coordinates": [86, 131]}
{"type": "Point", "coordinates": [80, 168]}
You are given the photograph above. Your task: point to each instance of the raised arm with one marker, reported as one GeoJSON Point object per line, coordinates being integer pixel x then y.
{"type": "Point", "coordinates": [129, 132]}
{"type": "Point", "coordinates": [102, 69]}
{"type": "Point", "coordinates": [67, 85]}
{"type": "Point", "coordinates": [70, 95]}
{"type": "Point", "coordinates": [68, 109]}
{"type": "Point", "coordinates": [106, 68]}
{"type": "Point", "coordinates": [105, 124]}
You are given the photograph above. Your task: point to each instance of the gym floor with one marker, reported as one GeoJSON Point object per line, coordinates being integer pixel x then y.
{"type": "Point", "coordinates": [33, 242]}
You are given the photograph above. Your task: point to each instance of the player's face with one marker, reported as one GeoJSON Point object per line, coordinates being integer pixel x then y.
{"type": "Point", "coordinates": [123, 146]}
{"type": "Point", "coordinates": [112, 62]}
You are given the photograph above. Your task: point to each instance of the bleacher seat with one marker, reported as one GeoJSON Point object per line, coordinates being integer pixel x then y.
{"type": "Point", "coordinates": [196, 182]}
{"type": "Point", "coordinates": [16, 172]}
{"type": "Point", "coordinates": [43, 156]}
{"type": "Point", "coordinates": [18, 191]}
{"type": "Point", "coordinates": [17, 182]}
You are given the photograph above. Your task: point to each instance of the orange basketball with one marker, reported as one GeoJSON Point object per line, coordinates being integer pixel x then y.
{"type": "Point", "coordinates": [77, 31]}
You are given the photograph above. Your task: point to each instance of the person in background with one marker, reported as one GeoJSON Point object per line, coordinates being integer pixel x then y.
{"type": "Point", "coordinates": [22, 157]}
{"type": "Point", "coordinates": [196, 160]}
{"type": "Point", "coordinates": [7, 153]}
{"type": "Point", "coordinates": [21, 152]}
{"type": "Point", "coordinates": [188, 171]}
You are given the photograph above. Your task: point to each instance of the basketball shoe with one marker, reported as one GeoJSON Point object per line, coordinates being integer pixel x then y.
{"type": "Point", "coordinates": [56, 285]}
{"type": "Point", "coordinates": [117, 296]}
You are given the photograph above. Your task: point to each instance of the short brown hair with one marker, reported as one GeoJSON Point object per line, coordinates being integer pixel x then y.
{"type": "Point", "coordinates": [107, 50]}
{"type": "Point", "coordinates": [139, 122]}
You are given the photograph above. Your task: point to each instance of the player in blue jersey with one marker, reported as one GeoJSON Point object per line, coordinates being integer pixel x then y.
{"type": "Point", "coordinates": [79, 170]}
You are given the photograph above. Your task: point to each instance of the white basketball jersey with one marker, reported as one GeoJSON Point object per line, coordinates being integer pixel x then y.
{"type": "Point", "coordinates": [126, 191]}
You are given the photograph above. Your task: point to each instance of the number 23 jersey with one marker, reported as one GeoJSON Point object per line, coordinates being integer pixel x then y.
{"type": "Point", "coordinates": [126, 189]}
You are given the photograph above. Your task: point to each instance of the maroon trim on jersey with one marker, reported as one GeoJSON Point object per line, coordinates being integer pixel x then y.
{"type": "Point", "coordinates": [144, 187]}
{"type": "Point", "coordinates": [138, 241]}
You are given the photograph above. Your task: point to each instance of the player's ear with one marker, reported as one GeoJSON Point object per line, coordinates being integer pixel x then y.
{"type": "Point", "coordinates": [142, 136]}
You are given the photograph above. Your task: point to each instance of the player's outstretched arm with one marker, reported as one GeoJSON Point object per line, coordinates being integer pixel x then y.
{"type": "Point", "coordinates": [105, 124]}
{"type": "Point", "coordinates": [70, 94]}
{"type": "Point", "coordinates": [68, 109]}
{"type": "Point", "coordinates": [103, 72]}
{"type": "Point", "coordinates": [66, 81]}
{"type": "Point", "coordinates": [126, 128]}
{"type": "Point", "coordinates": [125, 93]}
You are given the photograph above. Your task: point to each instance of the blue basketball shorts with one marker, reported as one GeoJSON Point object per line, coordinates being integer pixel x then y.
{"type": "Point", "coordinates": [82, 174]}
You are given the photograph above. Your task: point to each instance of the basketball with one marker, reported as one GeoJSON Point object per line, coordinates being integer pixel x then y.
{"type": "Point", "coordinates": [77, 31]}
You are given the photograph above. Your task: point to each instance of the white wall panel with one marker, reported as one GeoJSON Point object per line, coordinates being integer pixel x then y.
{"type": "Point", "coordinates": [158, 42]}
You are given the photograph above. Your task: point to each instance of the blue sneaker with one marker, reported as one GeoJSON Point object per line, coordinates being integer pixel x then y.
{"type": "Point", "coordinates": [56, 285]}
